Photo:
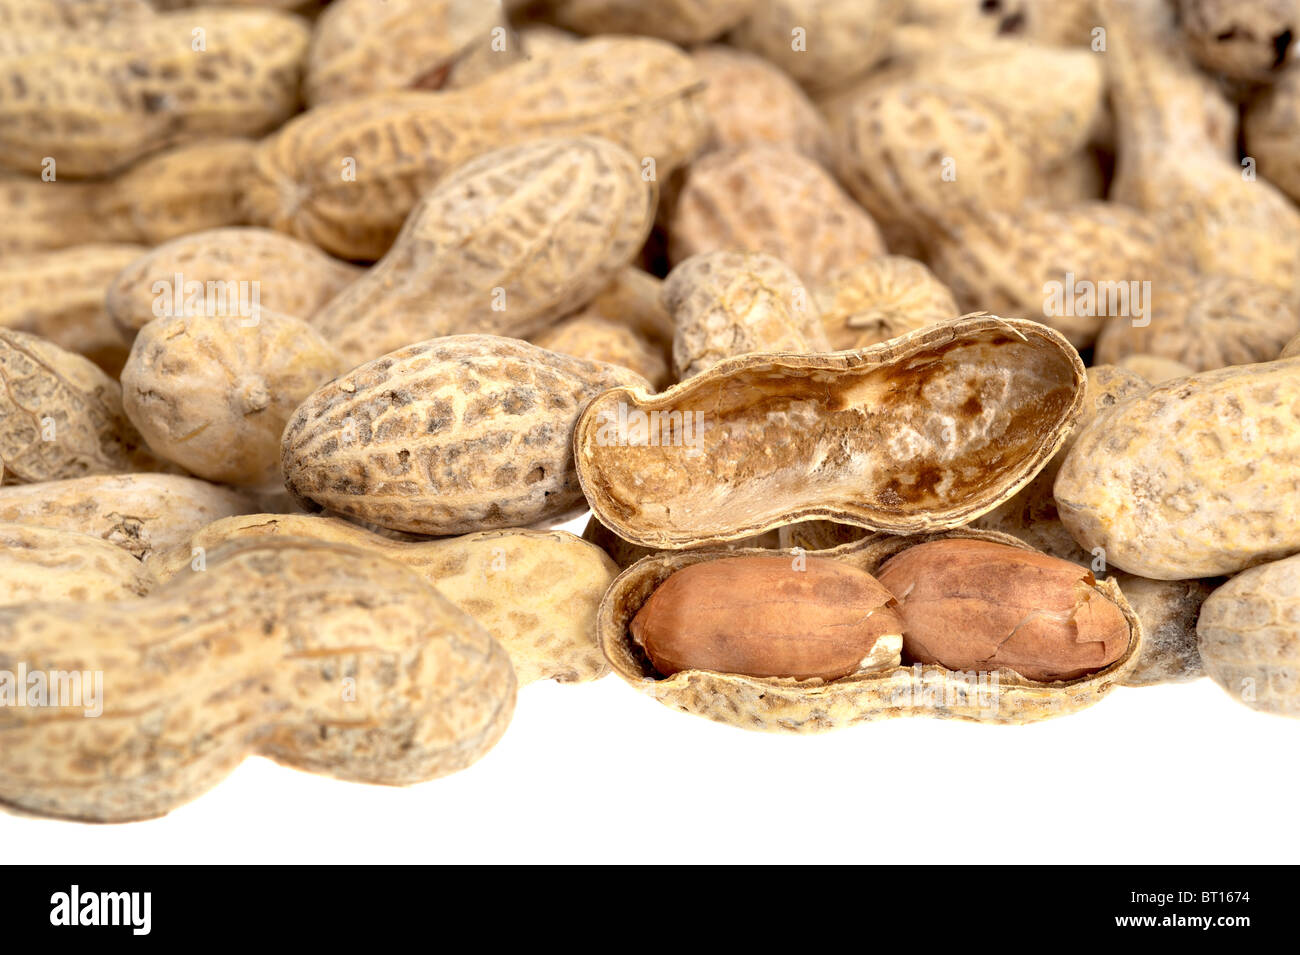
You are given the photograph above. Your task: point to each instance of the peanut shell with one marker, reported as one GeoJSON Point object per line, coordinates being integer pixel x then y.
{"type": "Point", "coordinates": [141, 85]}
{"type": "Point", "coordinates": [44, 565]}
{"type": "Point", "coordinates": [175, 192]}
{"type": "Point", "coordinates": [773, 200]}
{"type": "Point", "coordinates": [449, 436]}
{"type": "Point", "coordinates": [734, 303]}
{"type": "Point", "coordinates": [1269, 126]}
{"type": "Point", "coordinates": [362, 672]}
{"type": "Point", "coordinates": [1168, 610]}
{"type": "Point", "coordinates": [784, 705]}
{"type": "Point", "coordinates": [1249, 637]}
{"type": "Point", "coordinates": [504, 245]}
{"type": "Point", "coordinates": [881, 299]}
{"type": "Point", "coordinates": [535, 591]}
{"type": "Point", "coordinates": [345, 175]}
{"type": "Point", "coordinates": [821, 43]}
{"type": "Point", "coordinates": [1194, 478]}
{"type": "Point", "coordinates": [750, 102]}
{"type": "Point", "coordinates": [59, 296]}
{"type": "Point", "coordinates": [138, 512]}
{"type": "Point", "coordinates": [239, 273]}
{"type": "Point", "coordinates": [360, 47]}
{"type": "Point", "coordinates": [922, 432]}
{"type": "Point", "coordinates": [1025, 263]}
{"type": "Point", "coordinates": [213, 394]}
{"type": "Point", "coordinates": [60, 415]}
{"type": "Point", "coordinates": [1206, 322]}
{"type": "Point", "coordinates": [1226, 221]}
{"type": "Point", "coordinates": [1242, 39]}
{"type": "Point", "coordinates": [599, 339]}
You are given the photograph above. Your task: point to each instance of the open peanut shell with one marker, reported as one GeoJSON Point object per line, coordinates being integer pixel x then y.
{"type": "Point", "coordinates": [920, 433]}
{"type": "Point", "coordinates": [792, 706]}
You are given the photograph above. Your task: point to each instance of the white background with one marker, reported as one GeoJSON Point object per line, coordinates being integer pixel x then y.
{"type": "Point", "coordinates": [599, 773]}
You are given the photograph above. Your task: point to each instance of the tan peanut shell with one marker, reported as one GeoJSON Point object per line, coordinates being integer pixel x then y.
{"type": "Point", "coordinates": [1052, 99]}
{"type": "Point", "coordinates": [1023, 262]}
{"type": "Point", "coordinates": [1243, 39]}
{"type": "Point", "coordinates": [773, 200]}
{"type": "Point", "coordinates": [96, 100]}
{"type": "Point", "coordinates": [634, 298]}
{"type": "Point", "coordinates": [213, 393]}
{"type": "Point", "coordinates": [1168, 610]}
{"type": "Point", "coordinates": [922, 432]}
{"type": "Point", "coordinates": [792, 706]}
{"type": "Point", "coordinates": [504, 245]}
{"type": "Point", "coordinates": [1292, 348]}
{"type": "Point", "coordinates": [59, 296]}
{"type": "Point", "coordinates": [750, 102]}
{"type": "Point", "coordinates": [914, 155]}
{"type": "Point", "coordinates": [25, 15]}
{"type": "Point", "coordinates": [1206, 322]}
{"type": "Point", "coordinates": [1249, 637]}
{"type": "Point", "coordinates": [881, 299]}
{"type": "Point", "coordinates": [45, 565]}
{"type": "Point", "coordinates": [1269, 126]}
{"type": "Point", "coordinates": [595, 338]}
{"type": "Point", "coordinates": [345, 175]}
{"type": "Point", "coordinates": [60, 414]}
{"type": "Point", "coordinates": [1193, 478]}
{"type": "Point", "coordinates": [240, 273]}
{"type": "Point", "coordinates": [189, 188]}
{"type": "Point", "coordinates": [138, 512]}
{"type": "Point", "coordinates": [1226, 221]}
{"type": "Point", "coordinates": [362, 672]}
{"type": "Point", "coordinates": [821, 43]}
{"type": "Point", "coordinates": [534, 591]}
{"type": "Point", "coordinates": [457, 434]}
{"type": "Point", "coordinates": [360, 47]}
{"type": "Point", "coordinates": [1155, 368]}
{"type": "Point", "coordinates": [1054, 22]}
{"type": "Point", "coordinates": [184, 189]}
{"type": "Point", "coordinates": [678, 21]}
{"type": "Point", "coordinates": [735, 303]}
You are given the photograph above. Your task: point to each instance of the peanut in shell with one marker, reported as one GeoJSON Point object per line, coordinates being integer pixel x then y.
{"type": "Point", "coordinates": [794, 706]}
{"type": "Point", "coordinates": [449, 436]}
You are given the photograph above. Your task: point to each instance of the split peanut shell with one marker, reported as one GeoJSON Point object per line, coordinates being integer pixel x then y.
{"type": "Point", "coordinates": [924, 432]}
{"type": "Point", "coordinates": [793, 706]}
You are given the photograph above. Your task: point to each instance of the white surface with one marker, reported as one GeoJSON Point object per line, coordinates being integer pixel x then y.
{"type": "Point", "coordinates": [599, 773]}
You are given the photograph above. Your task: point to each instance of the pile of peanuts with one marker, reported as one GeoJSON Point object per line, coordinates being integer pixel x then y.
{"type": "Point", "coordinates": [913, 357]}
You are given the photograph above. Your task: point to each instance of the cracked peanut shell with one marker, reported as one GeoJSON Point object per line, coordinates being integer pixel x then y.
{"type": "Point", "coordinates": [923, 432]}
{"type": "Point", "coordinates": [793, 706]}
